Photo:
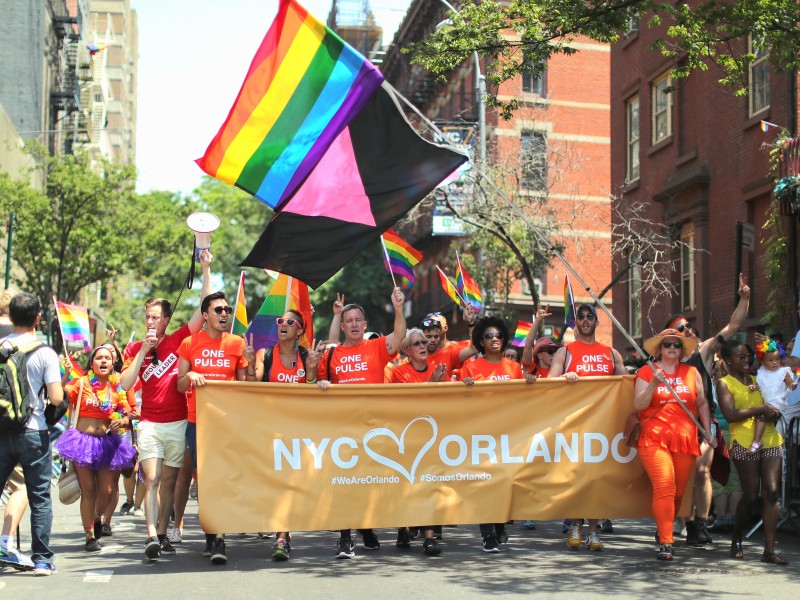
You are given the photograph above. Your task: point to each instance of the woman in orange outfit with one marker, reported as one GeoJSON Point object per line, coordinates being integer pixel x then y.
{"type": "Point", "coordinates": [668, 443]}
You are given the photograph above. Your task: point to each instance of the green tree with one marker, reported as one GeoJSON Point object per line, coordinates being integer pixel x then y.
{"type": "Point", "coordinates": [696, 34]}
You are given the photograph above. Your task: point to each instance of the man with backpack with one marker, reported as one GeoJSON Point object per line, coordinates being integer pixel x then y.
{"type": "Point", "coordinates": [28, 369]}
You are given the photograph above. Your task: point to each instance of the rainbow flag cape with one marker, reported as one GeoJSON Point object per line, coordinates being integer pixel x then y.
{"type": "Point", "coordinates": [304, 86]}
{"type": "Point", "coordinates": [239, 325]}
{"type": "Point", "coordinates": [449, 288]}
{"type": "Point", "coordinates": [287, 293]}
{"type": "Point", "coordinates": [523, 329]}
{"type": "Point", "coordinates": [74, 323]}
{"type": "Point", "coordinates": [401, 257]}
{"type": "Point", "coordinates": [467, 287]}
{"type": "Point", "coordinates": [569, 303]}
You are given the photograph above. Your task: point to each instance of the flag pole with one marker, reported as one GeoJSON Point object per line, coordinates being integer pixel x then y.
{"type": "Point", "coordinates": [61, 329]}
{"type": "Point", "coordinates": [388, 262]}
{"type": "Point", "coordinates": [238, 292]}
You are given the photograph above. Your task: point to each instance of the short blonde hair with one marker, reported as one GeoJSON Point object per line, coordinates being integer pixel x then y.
{"type": "Point", "coordinates": [5, 300]}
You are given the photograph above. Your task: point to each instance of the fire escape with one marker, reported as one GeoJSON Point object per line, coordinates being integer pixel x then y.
{"type": "Point", "coordinates": [65, 101]}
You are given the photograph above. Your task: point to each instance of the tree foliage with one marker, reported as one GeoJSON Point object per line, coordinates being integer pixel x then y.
{"type": "Point", "coordinates": [696, 34]}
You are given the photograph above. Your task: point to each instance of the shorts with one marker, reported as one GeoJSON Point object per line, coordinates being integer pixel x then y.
{"type": "Point", "coordinates": [16, 481]}
{"type": "Point", "coordinates": [191, 441]}
{"type": "Point", "coordinates": [162, 440]}
{"type": "Point", "coordinates": [739, 452]}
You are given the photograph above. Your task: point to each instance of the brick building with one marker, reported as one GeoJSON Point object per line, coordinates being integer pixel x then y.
{"type": "Point", "coordinates": [562, 125]}
{"type": "Point", "coordinates": [698, 157]}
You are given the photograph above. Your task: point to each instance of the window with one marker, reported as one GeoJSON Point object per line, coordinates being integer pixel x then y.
{"type": "Point", "coordinates": [632, 111]}
{"type": "Point", "coordinates": [633, 22]}
{"type": "Point", "coordinates": [532, 83]}
{"type": "Point", "coordinates": [635, 298]}
{"type": "Point", "coordinates": [662, 109]}
{"type": "Point", "coordinates": [758, 77]}
{"type": "Point", "coordinates": [687, 266]}
{"type": "Point", "coordinates": [533, 160]}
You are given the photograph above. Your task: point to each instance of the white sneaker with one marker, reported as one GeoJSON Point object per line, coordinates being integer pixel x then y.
{"type": "Point", "coordinates": [574, 536]}
{"type": "Point", "coordinates": [138, 512]}
{"type": "Point", "coordinates": [593, 542]}
{"type": "Point", "coordinates": [175, 536]}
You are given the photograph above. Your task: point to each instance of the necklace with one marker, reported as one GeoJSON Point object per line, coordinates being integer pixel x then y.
{"type": "Point", "coordinates": [109, 402]}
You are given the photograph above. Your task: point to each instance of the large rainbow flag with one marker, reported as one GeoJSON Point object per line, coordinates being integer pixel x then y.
{"type": "Point", "coordinates": [239, 325]}
{"type": "Point", "coordinates": [287, 293]}
{"type": "Point", "coordinates": [468, 287]}
{"type": "Point", "coordinates": [74, 323]}
{"type": "Point", "coordinates": [304, 86]}
{"type": "Point", "coordinates": [401, 257]}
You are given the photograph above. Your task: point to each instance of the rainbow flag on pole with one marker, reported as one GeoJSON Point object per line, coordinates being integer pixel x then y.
{"type": "Point", "coordinates": [449, 288]}
{"type": "Point", "coordinates": [74, 323]}
{"type": "Point", "coordinates": [304, 86]}
{"type": "Point", "coordinates": [239, 325]}
{"type": "Point", "coordinates": [401, 257]}
{"type": "Point", "coordinates": [523, 329]}
{"type": "Point", "coordinates": [287, 293]}
{"type": "Point", "coordinates": [569, 303]}
{"type": "Point", "coordinates": [467, 287]}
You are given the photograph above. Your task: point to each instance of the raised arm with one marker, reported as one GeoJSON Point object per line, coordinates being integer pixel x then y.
{"type": "Point", "coordinates": [335, 332]}
{"type": "Point", "coordinates": [196, 322]}
{"type": "Point", "coordinates": [527, 352]}
{"type": "Point", "coordinates": [737, 320]}
{"type": "Point", "coordinates": [395, 339]}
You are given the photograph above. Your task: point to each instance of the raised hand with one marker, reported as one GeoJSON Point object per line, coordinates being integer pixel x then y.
{"type": "Point", "coordinates": [249, 352]}
{"type": "Point", "coordinates": [338, 304]}
{"type": "Point", "coordinates": [398, 297]}
{"type": "Point", "coordinates": [315, 354]}
{"type": "Point", "coordinates": [744, 289]}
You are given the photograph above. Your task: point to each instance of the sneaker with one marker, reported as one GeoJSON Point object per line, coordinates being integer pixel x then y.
{"type": "Point", "coordinates": [574, 537]}
{"type": "Point", "coordinates": [566, 525]}
{"type": "Point", "coordinates": [166, 546]}
{"type": "Point", "coordinates": [11, 557]}
{"type": "Point", "coordinates": [207, 550]}
{"type": "Point", "coordinates": [431, 547]}
{"type": "Point", "coordinates": [664, 552]}
{"type": "Point", "coordinates": [703, 538]}
{"type": "Point", "coordinates": [107, 530]}
{"type": "Point", "coordinates": [370, 540]}
{"type": "Point", "coordinates": [593, 542]}
{"type": "Point", "coordinates": [490, 544]}
{"type": "Point", "coordinates": [606, 526]}
{"type": "Point", "coordinates": [281, 550]}
{"type": "Point", "coordinates": [152, 548]}
{"type": "Point", "coordinates": [345, 548]}
{"type": "Point", "coordinates": [138, 512]}
{"type": "Point", "coordinates": [691, 534]}
{"type": "Point", "coordinates": [43, 569]}
{"type": "Point", "coordinates": [126, 508]}
{"type": "Point", "coordinates": [501, 533]}
{"type": "Point", "coordinates": [403, 538]}
{"type": "Point", "coordinates": [218, 556]}
{"type": "Point", "coordinates": [92, 545]}
{"type": "Point", "coordinates": [413, 532]}
{"type": "Point", "coordinates": [193, 490]}
{"type": "Point", "coordinates": [529, 525]}
{"type": "Point", "coordinates": [175, 536]}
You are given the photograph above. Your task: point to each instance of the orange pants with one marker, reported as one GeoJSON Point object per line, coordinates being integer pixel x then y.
{"type": "Point", "coordinates": [669, 473]}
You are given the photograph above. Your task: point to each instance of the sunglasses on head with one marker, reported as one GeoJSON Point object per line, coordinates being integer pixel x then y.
{"type": "Point", "coordinates": [223, 309]}
{"type": "Point", "coordinates": [588, 316]}
{"type": "Point", "coordinates": [418, 343]}
{"type": "Point", "coordinates": [685, 327]}
{"type": "Point", "coordinates": [492, 334]}
{"type": "Point", "coordinates": [428, 323]}
{"type": "Point", "coordinates": [433, 314]}
{"type": "Point", "coordinates": [671, 345]}
{"type": "Point", "coordinates": [289, 322]}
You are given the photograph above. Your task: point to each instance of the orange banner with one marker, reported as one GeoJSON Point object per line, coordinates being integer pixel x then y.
{"type": "Point", "coordinates": [278, 457]}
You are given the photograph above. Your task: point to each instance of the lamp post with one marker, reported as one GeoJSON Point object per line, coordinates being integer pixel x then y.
{"type": "Point", "coordinates": [480, 92]}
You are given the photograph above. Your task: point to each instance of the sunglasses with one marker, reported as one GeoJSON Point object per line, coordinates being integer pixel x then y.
{"type": "Point", "coordinates": [490, 334]}
{"type": "Point", "coordinates": [685, 327]}
{"type": "Point", "coordinates": [586, 316]}
{"type": "Point", "coordinates": [671, 345]}
{"type": "Point", "coordinates": [550, 351]}
{"type": "Point", "coordinates": [433, 314]}
{"type": "Point", "coordinates": [418, 343]}
{"type": "Point", "coordinates": [223, 309]}
{"type": "Point", "coordinates": [289, 322]}
{"type": "Point", "coordinates": [428, 323]}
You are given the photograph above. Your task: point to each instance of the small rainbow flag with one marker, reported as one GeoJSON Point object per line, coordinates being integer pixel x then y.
{"type": "Point", "coordinates": [74, 323]}
{"type": "Point", "coordinates": [401, 257]}
{"type": "Point", "coordinates": [523, 329]}
{"type": "Point", "coordinates": [74, 373]}
{"type": "Point", "coordinates": [287, 293]}
{"type": "Point", "coordinates": [569, 303]}
{"type": "Point", "coordinates": [304, 86]}
{"type": "Point", "coordinates": [765, 126]}
{"type": "Point", "coordinates": [239, 325]}
{"type": "Point", "coordinates": [467, 287]}
{"type": "Point", "coordinates": [95, 48]}
{"type": "Point", "coordinates": [449, 288]}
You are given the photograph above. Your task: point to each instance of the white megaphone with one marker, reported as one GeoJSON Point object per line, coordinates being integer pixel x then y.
{"type": "Point", "coordinates": [203, 224]}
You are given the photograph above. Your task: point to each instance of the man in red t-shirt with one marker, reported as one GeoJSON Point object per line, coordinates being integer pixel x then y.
{"type": "Point", "coordinates": [360, 361]}
{"type": "Point", "coordinates": [162, 428]}
{"type": "Point", "coordinates": [585, 357]}
{"type": "Point", "coordinates": [210, 354]}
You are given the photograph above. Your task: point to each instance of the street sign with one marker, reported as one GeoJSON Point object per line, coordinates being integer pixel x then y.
{"type": "Point", "coordinates": [748, 236]}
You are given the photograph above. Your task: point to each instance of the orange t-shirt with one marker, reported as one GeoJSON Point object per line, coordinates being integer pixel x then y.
{"type": "Point", "coordinates": [664, 422]}
{"type": "Point", "coordinates": [215, 359]}
{"type": "Point", "coordinates": [90, 399]}
{"type": "Point", "coordinates": [481, 369]}
{"type": "Point", "coordinates": [406, 373]}
{"type": "Point", "coordinates": [362, 363]}
{"type": "Point", "coordinates": [589, 360]}
{"type": "Point", "coordinates": [280, 374]}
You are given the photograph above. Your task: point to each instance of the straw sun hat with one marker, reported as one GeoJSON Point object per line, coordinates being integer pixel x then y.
{"type": "Point", "coordinates": [653, 345]}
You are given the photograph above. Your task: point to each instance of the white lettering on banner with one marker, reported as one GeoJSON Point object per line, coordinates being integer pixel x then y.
{"type": "Point", "coordinates": [162, 367]}
{"type": "Point", "coordinates": [453, 450]}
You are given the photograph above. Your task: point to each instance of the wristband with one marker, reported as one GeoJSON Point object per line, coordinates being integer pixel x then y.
{"type": "Point", "coordinates": [311, 380]}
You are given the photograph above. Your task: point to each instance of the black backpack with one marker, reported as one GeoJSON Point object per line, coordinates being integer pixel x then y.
{"type": "Point", "coordinates": [15, 401]}
{"type": "Point", "coordinates": [268, 360]}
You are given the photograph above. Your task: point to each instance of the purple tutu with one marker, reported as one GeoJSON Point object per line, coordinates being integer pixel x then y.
{"type": "Point", "coordinates": [99, 453]}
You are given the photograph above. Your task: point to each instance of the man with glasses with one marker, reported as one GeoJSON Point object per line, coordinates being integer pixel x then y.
{"type": "Point", "coordinates": [361, 361]}
{"type": "Point", "coordinates": [585, 357]}
{"type": "Point", "coordinates": [210, 354]}
{"type": "Point", "coordinates": [161, 432]}
{"type": "Point", "coordinates": [703, 360]}
{"type": "Point", "coordinates": [440, 349]}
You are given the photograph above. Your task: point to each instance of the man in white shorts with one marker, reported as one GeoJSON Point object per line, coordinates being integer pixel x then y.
{"type": "Point", "coordinates": [162, 428]}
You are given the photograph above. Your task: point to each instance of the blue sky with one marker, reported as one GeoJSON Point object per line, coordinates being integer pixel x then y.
{"type": "Point", "coordinates": [193, 57]}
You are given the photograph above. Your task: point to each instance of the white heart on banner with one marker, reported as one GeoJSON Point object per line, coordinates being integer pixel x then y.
{"type": "Point", "coordinates": [393, 464]}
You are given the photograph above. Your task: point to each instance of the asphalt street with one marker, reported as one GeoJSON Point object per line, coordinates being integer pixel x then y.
{"type": "Point", "coordinates": [533, 562]}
